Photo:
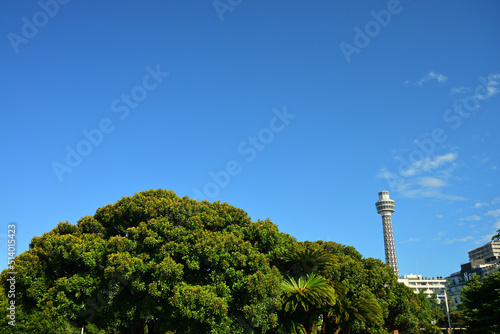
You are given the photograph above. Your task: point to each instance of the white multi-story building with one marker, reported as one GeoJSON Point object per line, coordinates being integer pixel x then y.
{"type": "Point", "coordinates": [489, 252]}
{"type": "Point", "coordinates": [428, 285]}
{"type": "Point", "coordinates": [483, 261]}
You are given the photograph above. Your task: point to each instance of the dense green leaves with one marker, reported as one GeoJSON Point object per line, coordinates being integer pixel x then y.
{"type": "Point", "coordinates": [496, 236]}
{"type": "Point", "coordinates": [158, 263]}
{"type": "Point", "coordinates": [481, 304]}
{"type": "Point", "coordinates": [367, 294]}
{"type": "Point", "coordinates": [307, 292]}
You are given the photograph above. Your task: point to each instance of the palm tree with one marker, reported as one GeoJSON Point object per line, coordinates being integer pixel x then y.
{"type": "Point", "coordinates": [312, 295]}
{"type": "Point", "coordinates": [303, 261]}
{"type": "Point", "coordinates": [304, 299]}
{"type": "Point", "coordinates": [350, 309]}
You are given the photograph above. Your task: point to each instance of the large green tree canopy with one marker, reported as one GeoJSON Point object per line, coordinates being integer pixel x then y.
{"type": "Point", "coordinates": [157, 261]}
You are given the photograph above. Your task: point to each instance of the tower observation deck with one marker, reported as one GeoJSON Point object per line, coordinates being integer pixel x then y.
{"type": "Point", "coordinates": [385, 207]}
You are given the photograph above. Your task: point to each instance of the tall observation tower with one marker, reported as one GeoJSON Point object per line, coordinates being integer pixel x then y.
{"type": "Point", "coordinates": [385, 207]}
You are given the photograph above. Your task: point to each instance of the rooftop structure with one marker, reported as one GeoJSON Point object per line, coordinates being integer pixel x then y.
{"type": "Point", "coordinates": [428, 285]}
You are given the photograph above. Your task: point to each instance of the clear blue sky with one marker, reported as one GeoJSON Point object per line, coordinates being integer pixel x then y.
{"type": "Point", "coordinates": [302, 111]}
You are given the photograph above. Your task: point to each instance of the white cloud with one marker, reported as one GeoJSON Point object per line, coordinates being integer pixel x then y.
{"type": "Point", "coordinates": [417, 187]}
{"type": "Point", "coordinates": [471, 218]}
{"type": "Point", "coordinates": [428, 164]}
{"type": "Point", "coordinates": [405, 189]}
{"type": "Point", "coordinates": [440, 234]}
{"type": "Point", "coordinates": [491, 91]}
{"type": "Point", "coordinates": [494, 213]}
{"type": "Point", "coordinates": [383, 173]}
{"type": "Point", "coordinates": [497, 225]}
{"type": "Point", "coordinates": [448, 241]}
{"type": "Point", "coordinates": [484, 239]}
{"type": "Point", "coordinates": [459, 90]}
{"type": "Point", "coordinates": [408, 188]}
{"type": "Point", "coordinates": [489, 86]}
{"type": "Point", "coordinates": [439, 216]}
{"type": "Point", "coordinates": [431, 76]}
{"type": "Point", "coordinates": [439, 160]}
{"type": "Point", "coordinates": [430, 182]}
{"type": "Point", "coordinates": [410, 240]}
{"type": "Point", "coordinates": [438, 77]}
{"type": "Point", "coordinates": [494, 201]}
{"type": "Point", "coordinates": [411, 183]}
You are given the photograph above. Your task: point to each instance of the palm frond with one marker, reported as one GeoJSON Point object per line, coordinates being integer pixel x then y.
{"type": "Point", "coordinates": [307, 291]}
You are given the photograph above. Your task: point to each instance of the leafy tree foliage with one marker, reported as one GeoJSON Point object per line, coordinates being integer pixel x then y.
{"type": "Point", "coordinates": [348, 311]}
{"type": "Point", "coordinates": [36, 322]}
{"type": "Point", "coordinates": [157, 263]}
{"type": "Point", "coordinates": [160, 262]}
{"type": "Point", "coordinates": [306, 297]}
{"type": "Point", "coordinates": [481, 304]}
{"type": "Point", "coordinates": [305, 292]}
{"type": "Point", "coordinates": [369, 298]}
{"type": "Point", "coordinates": [456, 319]}
{"type": "Point", "coordinates": [496, 236]}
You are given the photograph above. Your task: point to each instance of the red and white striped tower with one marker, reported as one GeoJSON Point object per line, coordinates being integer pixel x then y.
{"type": "Point", "coordinates": [385, 207]}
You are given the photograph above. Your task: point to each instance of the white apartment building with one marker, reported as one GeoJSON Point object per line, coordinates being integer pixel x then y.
{"type": "Point", "coordinates": [488, 252]}
{"type": "Point", "coordinates": [428, 285]}
{"type": "Point", "coordinates": [483, 261]}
